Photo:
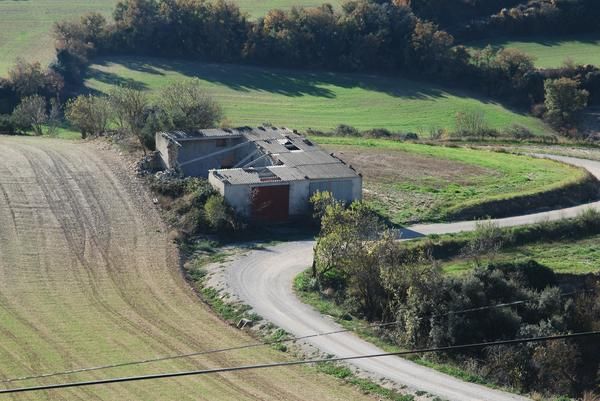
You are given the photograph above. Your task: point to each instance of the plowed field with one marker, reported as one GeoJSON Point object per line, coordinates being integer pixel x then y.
{"type": "Point", "coordinates": [88, 277]}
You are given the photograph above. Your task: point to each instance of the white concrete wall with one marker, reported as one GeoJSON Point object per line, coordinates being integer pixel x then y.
{"type": "Point", "coordinates": [216, 183]}
{"type": "Point", "coordinates": [299, 196]}
{"type": "Point", "coordinates": [162, 145]}
{"type": "Point", "coordinates": [357, 188]}
{"type": "Point", "coordinates": [202, 147]}
{"type": "Point", "coordinates": [347, 189]}
{"type": "Point", "coordinates": [238, 197]}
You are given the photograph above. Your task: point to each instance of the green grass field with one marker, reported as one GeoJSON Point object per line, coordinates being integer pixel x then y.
{"type": "Point", "coordinates": [412, 182]}
{"type": "Point", "coordinates": [27, 24]}
{"type": "Point", "coordinates": [318, 100]}
{"type": "Point", "coordinates": [577, 257]}
{"type": "Point", "coordinates": [552, 52]}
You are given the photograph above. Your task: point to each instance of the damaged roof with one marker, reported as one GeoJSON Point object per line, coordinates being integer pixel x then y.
{"type": "Point", "coordinates": [295, 158]}
{"type": "Point", "coordinates": [262, 133]}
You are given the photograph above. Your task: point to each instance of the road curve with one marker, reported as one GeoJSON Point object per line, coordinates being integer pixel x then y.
{"type": "Point", "coordinates": [263, 280]}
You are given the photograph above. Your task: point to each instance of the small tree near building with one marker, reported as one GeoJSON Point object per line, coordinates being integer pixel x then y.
{"type": "Point", "coordinates": [54, 117]}
{"type": "Point", "coordinates": [129, 109]}
{"type": "Point", "coordinates": [564, 101]}
{"type": "Point", "coordinates": [188, 106]}
{"type": "Point", "coordinates": [218, 214]}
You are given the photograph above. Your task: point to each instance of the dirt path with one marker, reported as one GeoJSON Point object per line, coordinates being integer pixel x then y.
{"type": "Point", "coordinates": [88, 277]}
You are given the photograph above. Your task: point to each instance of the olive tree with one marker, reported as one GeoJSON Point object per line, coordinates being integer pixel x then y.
{"type": "Point", "coordinates": [187, 106]}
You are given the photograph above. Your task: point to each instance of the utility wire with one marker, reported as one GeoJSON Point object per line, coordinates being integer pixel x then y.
{"type": "Point", "coordinates": [293, 363]}
{"type": "Point", "coordinates": [264, 343]}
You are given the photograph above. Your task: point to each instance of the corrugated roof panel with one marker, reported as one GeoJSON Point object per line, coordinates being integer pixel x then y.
{"type": "Point", "coordinates": [327, 171]}
{"type": "Point", "coordinates": [301, 158]}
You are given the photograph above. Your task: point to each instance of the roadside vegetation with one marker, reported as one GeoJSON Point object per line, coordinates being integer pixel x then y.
{"type": "Point", "coordinates": [408, 182]}
{"type": "Point", "coordinates": [382, 280]}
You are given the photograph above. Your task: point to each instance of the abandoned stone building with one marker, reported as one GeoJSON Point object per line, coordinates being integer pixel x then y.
{"type": "Point", "coordinates": [264, 173]}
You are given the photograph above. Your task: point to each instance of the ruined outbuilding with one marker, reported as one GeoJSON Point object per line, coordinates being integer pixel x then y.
{"type": "Point", "coordinates": [264, 173]}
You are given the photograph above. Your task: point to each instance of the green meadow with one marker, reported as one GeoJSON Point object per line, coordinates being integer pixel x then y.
{"type": "Point", "coordinates": [318, 100]}
{"type": "Point", "coordinates": [410, 182]}
{"type": "Point", "coordinates": [27, 26]}
{"type": "Point", "coordinates": [552, 52]}
{"type": "Point", "coordinates": [577, 257]}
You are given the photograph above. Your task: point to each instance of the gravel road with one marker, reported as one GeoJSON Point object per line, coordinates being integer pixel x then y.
{"type": "Point", "coordinates": [263, 280]}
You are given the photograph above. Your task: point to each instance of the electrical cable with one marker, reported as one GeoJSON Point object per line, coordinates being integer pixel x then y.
{"type": "Point", "coordinates": [293, 363]}
{"type": "Point", "coordinates": [260, 344]}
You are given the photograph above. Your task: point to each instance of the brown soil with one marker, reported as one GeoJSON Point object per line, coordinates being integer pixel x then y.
{"type": "Point", "coordinates": [391, 166]}
{"type": "Point", "coordinates": [88, 277]}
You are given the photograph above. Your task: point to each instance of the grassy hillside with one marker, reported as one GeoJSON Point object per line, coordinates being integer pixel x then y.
{"type": "Point", "coordinates": [552, 52]}
{"type": "Point", "coordinates": [303, 100]}
{"type": "Point", "coordinates": [27, 24]}
{"type": "Point", "coordinates": [411, 182]}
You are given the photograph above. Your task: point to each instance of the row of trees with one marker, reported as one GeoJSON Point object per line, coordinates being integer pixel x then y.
{"type": "Point", "coordinates": [365, 35]}
{"type": "Point", "coordinates": [374, 276]}
{"type": "Point", "coordinates": [533, 17]}
{"type": "Point", "coordinates": [180, 105]}
{"type": "Point", "coordinates": [476, 19]}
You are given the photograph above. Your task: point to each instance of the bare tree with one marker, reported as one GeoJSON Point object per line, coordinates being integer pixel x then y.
{"type": "Point", "coordinates": [487, 241]}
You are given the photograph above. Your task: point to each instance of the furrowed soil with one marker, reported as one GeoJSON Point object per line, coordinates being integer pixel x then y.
{"type": "Point", "coordinates": [88, 277]}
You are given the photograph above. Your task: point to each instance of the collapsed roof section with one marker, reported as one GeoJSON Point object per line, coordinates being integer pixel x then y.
{"type": "Point", "coordinates": [290, 157]}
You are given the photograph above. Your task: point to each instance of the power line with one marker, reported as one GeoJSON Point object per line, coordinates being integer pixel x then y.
{"type": "Point", "coordinates": [293, 363]}
{"type": "Point", "coordinates": [264, 343]}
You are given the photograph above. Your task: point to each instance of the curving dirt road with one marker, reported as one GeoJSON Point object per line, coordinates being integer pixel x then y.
{"type": "Point", "coordinates": [263, 279]}
{"type": "Point", "coordinates": [88, 277]}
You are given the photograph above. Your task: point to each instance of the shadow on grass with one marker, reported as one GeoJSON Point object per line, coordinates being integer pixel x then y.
{"type": "Point", "coordinates": [285, 82]}
{"type": "Point", "coordinates": [547, 41]}
{"type": "Point", "coordinates": [113, 79]}
{"type": "Point", "coordinates": [292, 83]}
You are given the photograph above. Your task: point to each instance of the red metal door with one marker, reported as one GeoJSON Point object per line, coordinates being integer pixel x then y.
{"type": "Point", "coordinates": [271, 203]}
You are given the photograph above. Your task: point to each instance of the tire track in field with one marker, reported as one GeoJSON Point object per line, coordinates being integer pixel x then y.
{"type": "Point", "coordinates": [71, 220]}
{"type": "Point", "coordinates": [33, 358]}
{"type": "Point", "coordinates": [90, 242]}
{"type": "Point", "coordinates": [28, 221]}
{"type": "Point", "coordinates": [166, 329]}
{"type": "Point", "coordinates": [79, 229]}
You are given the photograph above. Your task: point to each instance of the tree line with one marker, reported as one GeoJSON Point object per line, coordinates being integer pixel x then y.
{"type": "Point", "coordinates": [363, 268]}
{"type": "Point", "coordinates": [363, 35]}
